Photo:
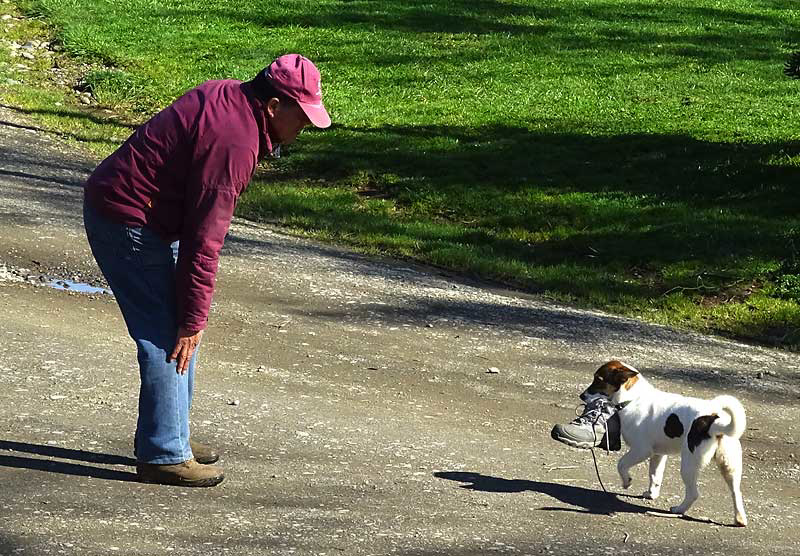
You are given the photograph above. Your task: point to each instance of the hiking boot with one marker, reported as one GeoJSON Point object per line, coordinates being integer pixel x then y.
{"type": "Point", "coordinates": [203, 453]}
{"type": "Point", "coordinates": [589, 429]}
{"type": "Point", "coordinates": [189, 473]}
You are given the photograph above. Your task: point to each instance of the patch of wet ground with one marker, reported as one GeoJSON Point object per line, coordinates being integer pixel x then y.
{"type": "Point", "coordinates": [38, 279]}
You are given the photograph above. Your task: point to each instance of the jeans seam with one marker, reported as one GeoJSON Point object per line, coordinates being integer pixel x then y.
{"type": "Point", "coordinates": [177, 420]}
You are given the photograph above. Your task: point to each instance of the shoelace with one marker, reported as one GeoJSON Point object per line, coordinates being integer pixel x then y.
{"type": "Point", "coordinates": [593, 413]}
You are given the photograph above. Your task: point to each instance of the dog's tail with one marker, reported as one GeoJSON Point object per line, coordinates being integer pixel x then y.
{"type": "Point", "coordinates": [736, 424]}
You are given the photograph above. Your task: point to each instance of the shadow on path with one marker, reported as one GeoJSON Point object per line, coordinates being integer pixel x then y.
{"type": "Point", "coordinates": [65, 467]}
{"type": "Point", "coordinates": [591, 501]}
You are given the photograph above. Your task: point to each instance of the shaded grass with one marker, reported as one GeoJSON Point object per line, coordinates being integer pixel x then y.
{"type": "Point", "coordinates": [640, 157]}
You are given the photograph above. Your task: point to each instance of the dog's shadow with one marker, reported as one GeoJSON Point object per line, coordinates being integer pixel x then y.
{"type": "Point", "coordinates": [591, 501]}
{"type": "Point", "coordinates": [66, 468]}
{"type": "Point", "coordinates": [584, 499]}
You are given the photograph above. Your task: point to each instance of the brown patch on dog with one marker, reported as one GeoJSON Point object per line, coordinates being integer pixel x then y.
{"type": "Point", "coordinates": [631, 381]}
{"type": "Point", "coordinates": [699, 431]}
{"type": "Point", "coordinates": [609, 378]}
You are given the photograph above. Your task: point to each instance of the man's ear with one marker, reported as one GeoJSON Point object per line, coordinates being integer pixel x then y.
{"type": "Point", "coordinates": [272, 106]}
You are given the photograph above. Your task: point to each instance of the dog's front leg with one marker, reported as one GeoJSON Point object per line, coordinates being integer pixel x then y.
{"type": "Point", "coordinates": [627, 461]}
{"type": "Point", "coordinates": [657, 464]}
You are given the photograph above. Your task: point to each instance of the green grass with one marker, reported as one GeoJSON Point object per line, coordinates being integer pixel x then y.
{"type": "Point", "coordinates": [640, 157]}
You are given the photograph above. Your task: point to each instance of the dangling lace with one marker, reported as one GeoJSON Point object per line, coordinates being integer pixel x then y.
{"type": "Point", "coordinates": [597, 411]}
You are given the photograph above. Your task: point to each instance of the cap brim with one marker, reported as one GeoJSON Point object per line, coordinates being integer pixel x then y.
{"type": "Point", "coordinates": [317, 114]}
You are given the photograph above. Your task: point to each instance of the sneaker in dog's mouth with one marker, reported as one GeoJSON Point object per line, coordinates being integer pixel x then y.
{"type": "Point", "coordinates": [590, 428]}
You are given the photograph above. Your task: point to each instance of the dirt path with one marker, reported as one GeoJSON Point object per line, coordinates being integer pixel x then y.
{"type": "Point", "coordinates": [352, 402]}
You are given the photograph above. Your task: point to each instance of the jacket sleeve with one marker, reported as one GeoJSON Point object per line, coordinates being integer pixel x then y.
{"type": "Point", "coordinates": [206, 222]}
{"type": "Point", "coordinates": [217, 180]}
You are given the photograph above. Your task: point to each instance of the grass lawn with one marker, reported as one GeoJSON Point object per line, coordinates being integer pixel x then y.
{"type": "Point", "coordinates": [640, 157]}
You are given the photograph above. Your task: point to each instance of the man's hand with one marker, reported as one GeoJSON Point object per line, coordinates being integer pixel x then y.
{"type": "Point", "coordinates": [184, 348]}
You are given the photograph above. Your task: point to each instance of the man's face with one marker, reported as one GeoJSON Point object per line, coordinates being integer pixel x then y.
{"type": "Point", "coordinates": [286, 120]}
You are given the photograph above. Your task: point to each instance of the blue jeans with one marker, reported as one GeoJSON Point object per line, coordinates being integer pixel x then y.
{"type": "Point", "coordinates": [140, 269]}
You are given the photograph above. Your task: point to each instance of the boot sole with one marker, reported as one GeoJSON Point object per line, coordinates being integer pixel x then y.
{"type": "Point", "coordinates": [583, 445]}
{"type": "Point", "coordinates": [208, 482]}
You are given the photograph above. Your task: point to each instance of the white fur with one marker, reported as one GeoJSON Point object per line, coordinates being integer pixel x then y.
{"type": "Point", "coordinates": [642, 426]}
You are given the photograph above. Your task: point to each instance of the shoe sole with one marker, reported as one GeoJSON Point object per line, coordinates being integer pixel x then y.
{"type": "Point", "coordinates": [583, 445]}
{"type": "Point", "coordinates": [209, 482]}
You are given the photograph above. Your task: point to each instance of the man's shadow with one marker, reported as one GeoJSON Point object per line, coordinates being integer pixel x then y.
{"type": "Point", "coordinates": [66, 468]}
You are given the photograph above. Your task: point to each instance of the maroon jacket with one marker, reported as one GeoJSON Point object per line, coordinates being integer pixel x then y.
{"type": "Point", "coordinates": [181, 174]}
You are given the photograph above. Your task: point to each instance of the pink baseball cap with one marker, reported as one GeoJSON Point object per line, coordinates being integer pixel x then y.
{"type": "Point", "coordinates": [297, 77]}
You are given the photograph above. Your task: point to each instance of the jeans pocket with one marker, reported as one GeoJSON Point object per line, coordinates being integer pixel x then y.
{"type": "Point", "coordinates": [151, 252]}
{"type": "Point", "coordinates": [153, 257]}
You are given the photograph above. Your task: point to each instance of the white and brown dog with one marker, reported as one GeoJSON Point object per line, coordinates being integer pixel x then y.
{"type": "Point", "coordinates": [655, 423]}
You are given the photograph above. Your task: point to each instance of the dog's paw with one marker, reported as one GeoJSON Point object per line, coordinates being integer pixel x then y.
{"type": "Point", "coordinates": [680, 510]}
{"type": "Point", "coordinates": [626, 481]}
{"type": "Point", "coordinates": [651, 494]}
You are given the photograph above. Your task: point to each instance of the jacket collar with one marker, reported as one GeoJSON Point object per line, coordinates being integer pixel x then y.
{"type": "Point", "coordinates": [265, 146]}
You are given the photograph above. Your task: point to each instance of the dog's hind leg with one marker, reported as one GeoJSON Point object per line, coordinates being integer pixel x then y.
{"type": "Point", "coordinates": [657, 464]}
{"type": "Point", "coordinates": [627, 461]}
{"type": "Point", "coordinates": [691, 464]}
{"type": "Point", "coordinates": [729, 459]}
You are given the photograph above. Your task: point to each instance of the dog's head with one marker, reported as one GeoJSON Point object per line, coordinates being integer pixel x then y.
{"type": "Point", "coordinates": [614, 381]}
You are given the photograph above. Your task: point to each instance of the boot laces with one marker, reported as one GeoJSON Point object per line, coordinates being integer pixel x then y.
{"type": "Point", "coordinates": [594, 412]}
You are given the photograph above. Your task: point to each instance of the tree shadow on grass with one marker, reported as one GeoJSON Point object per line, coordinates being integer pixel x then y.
{"type": "Point", "coordinates": [609, 219]}
{"type": "Point", "coordinates": [509, 158]}
{"type": "Point", "coordinates": [556, 197]}
{"type": "Point", "coordinates": [456, 16]}
{"type": "Point", "coordinates": [710, 35]}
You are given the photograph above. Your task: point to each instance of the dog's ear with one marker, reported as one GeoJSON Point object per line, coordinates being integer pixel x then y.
{"type": "Point", "coordinates": [616, 373]}
{"type": "Point", "coordinates": [622, 376]}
